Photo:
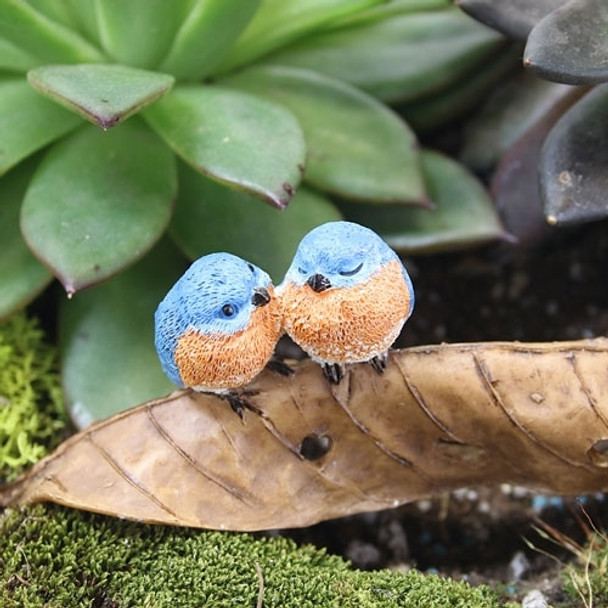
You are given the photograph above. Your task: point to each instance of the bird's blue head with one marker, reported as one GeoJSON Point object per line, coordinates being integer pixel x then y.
{"type": "Point", "coordinates": [339, 254]}
{"type": "Point", "coordinates": [216, 295]}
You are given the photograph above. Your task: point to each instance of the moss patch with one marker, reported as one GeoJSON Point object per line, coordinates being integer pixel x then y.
{"type": "Point", "coordinates": [56, 557]}
{"type": "Point", "coordinates": [31, 406]}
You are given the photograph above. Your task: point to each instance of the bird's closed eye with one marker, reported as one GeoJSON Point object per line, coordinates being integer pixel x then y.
{"type": "Point", "coordinates": [350, 273]}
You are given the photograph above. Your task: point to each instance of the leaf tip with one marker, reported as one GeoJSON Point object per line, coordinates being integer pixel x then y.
{"type": "Point", "coordinates": [70, 287]}
{"type": "Point", "coordinates": [107, 122]}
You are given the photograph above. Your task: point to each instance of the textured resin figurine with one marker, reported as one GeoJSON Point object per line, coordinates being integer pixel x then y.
{"type": "Point", "coordinates": [345, 297]}
{"type": "Point", "coordinates": [217, 327]}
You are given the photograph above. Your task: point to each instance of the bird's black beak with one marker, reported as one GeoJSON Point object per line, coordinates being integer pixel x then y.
{"type": "Point", "coordinates": [318, 283]}
{"type": "Point", "coordinates": [260, 296]}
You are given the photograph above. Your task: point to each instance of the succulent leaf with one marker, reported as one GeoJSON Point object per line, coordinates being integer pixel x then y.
{"type": "Point", "coordinates": [22, 276]}
{"type": "Point", "coordinates": [438, 109]}
{"type": "Point", "coordinates": [570, 44]}
{"type": "Point", "coordinates": [389, 9]}
{"type": "Point", "coordinates": [234, 137]}
{"type": "Point", "coordinates": [205, 36]}
{"type": "Point", "coordinates": [398, 58]}
{"type": "Point", "coordinates": [14, 58]}
{"type": "Point", "coordinates": [28, 122]}
{"type": "Point", "coordinates": [98, 201]}
{"type": "Point", "coordinates": [103, 94]}
{"type": "Point", "coordinates": [60, 12]}
{"type": "Point", "coordinates": [42, 37]}
{"type": "Point", "coordinates": [139, 32]}
{"type": "Point", "coordinates": [279, 22]}
{"type": "Point", "coordinates": [357, 147]}
{"type": "Point", "coordinates": [84, 15]}
{"type": "Point", "coordinates": [107, 333]}
{"type": "Point", "coordinates": [573, 162]}
{"type": "Point", "coordinates": [210, 217]}
{"type": "Point", "coordinates": [514, 18]}
{"type": "Point", "coordinates": [464, 213]}
{"type": "Point", "coordinates": [508, 113]}
{"type": "Point", "coordinates": [515, 189]}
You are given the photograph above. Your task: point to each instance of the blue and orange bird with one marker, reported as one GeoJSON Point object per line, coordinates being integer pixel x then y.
{"type": "Point", "coordinates": [345, 297]}
{"type": "Point", "coordinates": [217, 327]}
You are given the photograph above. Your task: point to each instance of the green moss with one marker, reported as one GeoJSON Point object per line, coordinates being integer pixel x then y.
{"type": "Point", "coordinates": [31, 408]}
{"type": "Point", "coordinates": [56, 557]}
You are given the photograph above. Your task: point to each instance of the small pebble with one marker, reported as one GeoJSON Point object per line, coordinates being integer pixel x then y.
{"type": "Point", "coordinates": [534, 599]}
{"type": "Point", "coordinates": [518, 566]}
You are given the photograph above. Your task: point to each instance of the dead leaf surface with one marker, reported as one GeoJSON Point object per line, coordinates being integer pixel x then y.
{"type": "Point", "coordinates": [441, 417]}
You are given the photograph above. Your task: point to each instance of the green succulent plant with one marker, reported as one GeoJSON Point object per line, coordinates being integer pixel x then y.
{"type": "Point", "coordinates": [138, 134]}
{"type": "Point", "coordinates": [555, 117]}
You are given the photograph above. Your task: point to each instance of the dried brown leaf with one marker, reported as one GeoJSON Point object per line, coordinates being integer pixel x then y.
{"type": "Point", "coordinates": [440, 417]}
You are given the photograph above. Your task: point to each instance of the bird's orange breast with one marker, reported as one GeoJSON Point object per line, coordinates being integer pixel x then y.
{"type": "Point", "coordinates": [222, 362]}
{"type": "Point", "coordinates": [348, 325]}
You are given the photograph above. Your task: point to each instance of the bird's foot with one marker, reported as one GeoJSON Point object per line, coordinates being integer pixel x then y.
{"type": "Point", "coordinates": [334, 372]}
{"type": "Point", "coordinates": [379, 362]}
{"type": "Point", "coordinates": [239, 403]}
{"type": "Point", "coordinates": [279, 367]}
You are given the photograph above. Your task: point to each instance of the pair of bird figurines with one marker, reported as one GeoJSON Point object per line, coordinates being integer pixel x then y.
{"type": "Point", "coordinates": [344, 300]}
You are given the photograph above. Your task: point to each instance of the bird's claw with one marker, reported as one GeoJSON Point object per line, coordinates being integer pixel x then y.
{"type": "Point", "coordinates": [238, 403]}
{"type": "Point", "coordinates": [334, 372]}
{"type": "Point", "coordinates": [279, 367]}
{"type": "Point", "coordinates": [379, 362]}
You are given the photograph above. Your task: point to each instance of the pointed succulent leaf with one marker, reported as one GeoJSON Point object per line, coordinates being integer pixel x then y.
{"type": "Point", "coordinates": [98, 201]}
{"type": "Point", "coordinates": [388, 9]}
{"type": "Point", "coordinates": [574, 161]}
{"type": "Point", "coordinates": [85, 16]}
{"type": "Point", "coordinates": [211, 217]}
{"type": "Point", "coordinates": [357, 147]}
{"type": "Point", "coordinates": [515, 18]}
{"type": "Point", "coordinates": [205, 36]}
{"type": "Point", "coordinates": [441, 46]}
{"type": "Point", "coordinates": [239, 139]}
{"type": "Point", "coordinates": [514, 186]}
{"type": "Point", "coordinates": [61, 12]}
{"type": "Point", "coordinates": [139, 32]}
{"type": "Point", "coordinates": [458, 99]}
{"type": "Point", "coordinates": [22, 276]}
{"type": "Point", "coordinates": [107, 332]}
{"type": "Point", "coordinates": [103, 94]}
{"type": "Point", "coordinates": [15, 59]}
{"type": "Point", "coordinates": [279, 22]}
{"type": "Point", "coordinates": [44, 38]}
{"type": "Point", "coordinates": [28, 122]}
{"type": "Point", "coordinates": [464, 213]}
{"type": "Point", "coordinates": [508, 113]}
{"type": "Point", "coordinates": [570, 44]}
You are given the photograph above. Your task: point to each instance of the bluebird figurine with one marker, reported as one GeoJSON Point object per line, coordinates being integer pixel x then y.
{"type": "Point", "coordinates": [217, 327]}
{"type": "Point", "coordinates": [345, 297]}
